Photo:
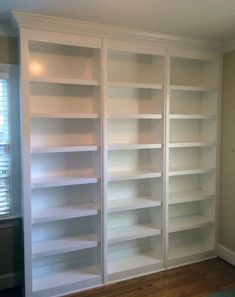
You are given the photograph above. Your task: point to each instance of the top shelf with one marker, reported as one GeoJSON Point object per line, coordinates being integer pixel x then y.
{"type": "Point", "coordinates": [67, 81]}
{"type": "Point", "coordinates": [135, 85]}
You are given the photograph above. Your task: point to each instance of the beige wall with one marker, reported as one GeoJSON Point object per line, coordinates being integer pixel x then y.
{"type": "Point", "coordinates": [227, 192]}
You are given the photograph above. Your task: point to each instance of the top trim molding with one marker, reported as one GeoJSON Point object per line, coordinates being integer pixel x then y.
{"type": "Point", "coordinates": [72, 26]}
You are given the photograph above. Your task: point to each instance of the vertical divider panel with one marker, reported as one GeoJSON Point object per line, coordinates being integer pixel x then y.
{"type": "Point", "coordinates": [166, 163]}
{"type": "Point", "coordinates": [104, 161]}
{"type": "Point", "coordinates": [25, 159]}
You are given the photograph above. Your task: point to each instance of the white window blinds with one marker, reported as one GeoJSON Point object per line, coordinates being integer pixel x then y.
{"type": "Point", "coordinates": [5, 203]}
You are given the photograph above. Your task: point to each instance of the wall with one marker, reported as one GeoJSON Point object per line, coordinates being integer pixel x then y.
{"type": "Point", "coordinates": [227, 192]}
{"type": "Point", "coordinates": [11, 246]}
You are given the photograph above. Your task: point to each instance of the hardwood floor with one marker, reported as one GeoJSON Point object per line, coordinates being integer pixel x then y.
{"type": "Point", "coordinates": [195, 280]}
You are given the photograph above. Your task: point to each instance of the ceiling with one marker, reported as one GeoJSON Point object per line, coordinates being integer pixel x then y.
{"type": "Point", "coordinates": [194, 18]}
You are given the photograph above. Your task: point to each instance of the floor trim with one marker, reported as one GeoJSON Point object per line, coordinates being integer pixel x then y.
{"type": "Point", "coordinates": [226, 254]}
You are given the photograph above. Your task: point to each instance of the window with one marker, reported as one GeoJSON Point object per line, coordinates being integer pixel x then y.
{"type": "Point", "coordinates": [5, 203]}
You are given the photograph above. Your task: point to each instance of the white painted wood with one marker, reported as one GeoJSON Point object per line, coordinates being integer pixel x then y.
{"type": "Point", "coordinates": [117, 235]}
{"type": "Point", "coordinates": [189, 170]}
{"type": "Point", "coordinates": [135, 261]}
{"type": "Point", "coordinates": [57, 181]}
{"type": "Point", "coordinates": [192, 88]}
{"type": "Point", "coordinates": [135, 146]}
{"type": "Point", "coordinates": [70, 276]}
{"type": "Point", "coordinates": [226, 254]}
{"type": "Point", "coordinates": [191, 144]}
{"type": "Point", "coordinates": [191, 117]}
{"type": "Point", "coordinates": [64, 212]}
{"type": "Point", "coordinates": [136, 116]}
{"type": "Point", "coordinates": [130, 175]}
{"type": "Point", "coordinates": [69, 81]}
{"type": "Point", "coordinates": [63, 149]}
{"type": "Point", "coordinates": [189, 222]}
{"type": "Point", "coordinates": [64, 245]}
{"type": "Point", "coordinates": [189, 196]}
{"type": "Point", "coordinates": [117, 205]}
{"type": "Point", "coordinates": [64, 116]}
{"type": "Point", "coordinates": [135, 85]}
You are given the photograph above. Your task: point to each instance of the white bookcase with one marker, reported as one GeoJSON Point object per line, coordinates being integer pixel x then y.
{"type": "Point", "coordinates": [119, 153]}
{"type": "Point", "coordinates": [134, 150]}
{"type": "Point", "coordinates": [191, 155]}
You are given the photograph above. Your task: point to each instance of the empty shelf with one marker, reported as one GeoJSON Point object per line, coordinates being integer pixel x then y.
{"type": "Point", "coordinates": [135, 85]}
{"type": "Point", "coordinates": [62, 278]}
{"type": "Point", "coordinates": [63, 212]}
{"type": "Point", "coordinates": [174, 171]}
{"type": "Point", "coordinates": [188, 250]}
{"type": "Point", "coordinates": [189, 196]}
{"type": "Point", "coordinates": [144, 116]}
{"type": "Point", "coordinates": [130, 175]}
{"type": "Point", "coordinates": [70, 81]}
{"type": "Point", "coordinates": [131, 262]}
{"type": "Point", "coordinates": [133, 146]}
{"type": "Point", "coordinates": [132, 232]}
{"type": "Point", "coordinates": [63, 245]}
{"type": "Point", "coordinates": [191, 144]}
{"type": "Point", "coordinates": [56, 181]}
{"type": "Point", "coordinates": [188, 222]}
{"type": "Point", "coordinates": [69, 115]}
{"type": "Point", "coordinates": [192, 88]}
{"type": "Point", "coordinates": [63, 149]}
{"type": "Point", "coordinates": [191, 116]}
{"type": "Point", "coordinates": [116, 205]}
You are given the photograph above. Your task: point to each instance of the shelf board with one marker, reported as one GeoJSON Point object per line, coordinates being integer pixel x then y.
{"type": "Point", "coordinates": [191, 144]}
{"type": "Point", "coordinates": [192, 88]}
{"type": "Point", "coordinates": [191, 116]}
{"type": "Point", "coordinates": [135, 85]}
{"type": "Point", "coordinates": [134, 146]}
{"type": "Point", "coordinates": [143, 116]}
{"type": "Point", "coordinates": [188, 222]}
{"type": "Point", "coordinates": [189, 196]}
{"type": "Point", "coordinates": [132, 232]}
{"type": "Point", "coordinates": [64, 212]}
{"type": "Point", "coordinates": [188, 250]}
{"type": "Point", "coordinates": [56, 181]}
{"type": "Point", "coordinates": [69, 115]}
{"type": "Point", "coordinates": [63, 245]}
{"type": "Point", "coordinates": [69, 81]}
{"type": "Point", "coordinates": [134, 174]}
{"type": "Point", "coordinates": [63, 149]}
{"type": "Point", "coordinates": [63, 278]}
{"type": "Point", "coordinates": [174, 171]}
{"type": "Point", "coordinates": [131, 262]}
{"type": "Point", "coordinates": [117, 205]}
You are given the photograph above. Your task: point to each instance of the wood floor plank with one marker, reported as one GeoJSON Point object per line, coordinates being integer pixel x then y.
{"type": "Point", "coordinates": [195, 280]}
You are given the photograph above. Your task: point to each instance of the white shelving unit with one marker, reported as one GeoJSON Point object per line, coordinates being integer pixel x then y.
{"type": "Point", "coordinates": [135, 140]}
{"type": "Point", "coordinates": [119, 153]}
{"type": "Point", "coordinates": [62, 149]}
{"type": "Point", "coordinates": [191, 156]}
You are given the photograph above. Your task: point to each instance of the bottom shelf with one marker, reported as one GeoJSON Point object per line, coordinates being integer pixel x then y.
{"type": "Point", "coordinates": [190, 245]}
{"type": "Point", "coordinates": [132, 262]}
{"type": "Point", "coordinates": [71, 276]}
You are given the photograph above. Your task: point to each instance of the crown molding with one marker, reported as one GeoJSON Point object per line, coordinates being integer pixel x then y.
{"type": "Point", "coordinates": [72, 26]}
{"type": "Point", "coordinates": [229, 45]}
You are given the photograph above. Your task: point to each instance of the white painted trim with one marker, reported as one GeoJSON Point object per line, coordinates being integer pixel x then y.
{"type": "Point", "coordinates": [11, 280]}
{"type": "Point", "coordinates": [226, 254]}
{"type": "Point", "coordinates": [72, 26]}
{"type": "Point", "coordinates": [229, 45]}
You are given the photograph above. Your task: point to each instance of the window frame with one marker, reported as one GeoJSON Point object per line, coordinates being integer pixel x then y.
{"type": "Point", "coordinates": [10, 72]}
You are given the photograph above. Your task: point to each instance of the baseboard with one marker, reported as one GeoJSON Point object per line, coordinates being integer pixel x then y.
{"type": "Point", "coordinates": [11, 280]}
{"type": "Point", "coordinates": [226, 254]}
